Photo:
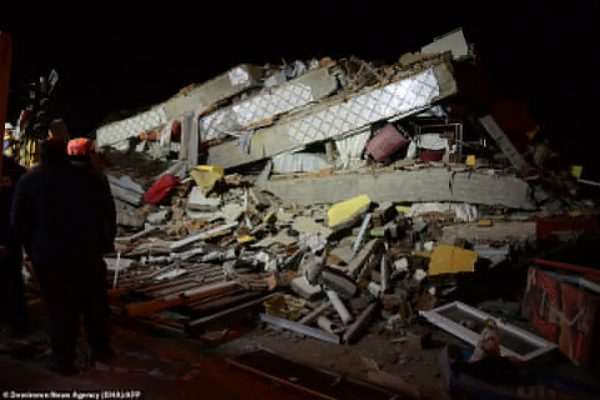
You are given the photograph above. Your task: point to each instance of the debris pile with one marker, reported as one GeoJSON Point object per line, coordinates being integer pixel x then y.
{"type": "Point", "coordinates": [336, 195]}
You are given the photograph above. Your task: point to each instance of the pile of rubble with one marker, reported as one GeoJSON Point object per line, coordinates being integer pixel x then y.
{"type": "Point", "coordinates": [336, 194]}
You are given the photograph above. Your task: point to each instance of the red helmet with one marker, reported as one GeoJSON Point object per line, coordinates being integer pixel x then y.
{"type": "Point", "coordinates": [79, 147]}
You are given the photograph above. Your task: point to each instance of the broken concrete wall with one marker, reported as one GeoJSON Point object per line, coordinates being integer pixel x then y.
{"type": "Point", "coordinates": [130, 127]}
{"type": "Point", "coordinates": [499, 232]}
{"type": "Point", "coordinates": [263, 107]}
{"type": "Point", "coordinates": [407, 186]}
{"type": "Point", "coordinates": [204, 96]}
{"type": "Point", "coordinates": [125, 189]}
{"type": "Point", "coordinates": [224, 86]}
{"type": "Point", "coordinates": [188, 151]}
{"type": "Point", "coordinates": [515, 158]}
{"type": "Point", "coordinates": [338, 118]}
{"type": "Point", "coordinates": [453, 42]}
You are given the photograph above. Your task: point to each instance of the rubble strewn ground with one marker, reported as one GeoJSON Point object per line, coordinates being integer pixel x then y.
{"type": "Point", "coordinates": [335, 200]}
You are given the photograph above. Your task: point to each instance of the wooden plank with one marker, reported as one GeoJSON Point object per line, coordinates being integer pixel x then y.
{"type": "Point", "coordinates": [360, 324]}
{"type": "Point", "coordinates": [213, 304]}
{"type": "Point", "coordinates": [359, 260]}
{"type": "Point", "coordinates": [152, 306]}
{"type": "Point", "coordinates": [192, 326]}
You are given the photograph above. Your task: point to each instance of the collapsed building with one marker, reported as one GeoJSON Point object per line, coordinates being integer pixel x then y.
{"type": "Point", "coordinates": [337, 195]}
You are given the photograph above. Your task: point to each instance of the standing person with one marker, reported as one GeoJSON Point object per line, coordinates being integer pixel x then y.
{"type": "Point", "coordinates": [62, 214]}
{"type": "Point", "coordinates": [80, 152]}
{"type": "Point", "coordinates": [13, 305]}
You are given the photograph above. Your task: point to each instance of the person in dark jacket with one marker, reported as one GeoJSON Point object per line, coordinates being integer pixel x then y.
{"type": "Point", "coordinates": [13, 305]}
{"type": "Point", "coordinates": [63, 214]}
{"type": "Point", "coordinates": [80, 151]}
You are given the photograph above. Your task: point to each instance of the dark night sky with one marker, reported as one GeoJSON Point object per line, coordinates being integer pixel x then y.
{"type": "Point", "coordinates": [113, 56]}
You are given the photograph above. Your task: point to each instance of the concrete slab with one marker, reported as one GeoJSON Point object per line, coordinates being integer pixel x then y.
{"type": "Point", "coordinates": [342, 116]}
{"type": "Point", "coordinates": [126, 189]}
{"type": "Point", "coordinates": [507, 147]}
{"type": "Point", "coordinates": [407, 186]}
{"type": "Point", "coordinates": [499, 232]}
{"type": "Point", "coordinates": [226, 85]}
{"type": "Point", "coordinates": [261, 108]}
{"type": "Point", "coordinates": [118, 131]}
{"type": "Point", "coordinates": [197, 100]}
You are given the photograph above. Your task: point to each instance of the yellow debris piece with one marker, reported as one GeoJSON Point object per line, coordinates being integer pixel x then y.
{"type": "Point", "coordinates": [576, 171]}
{"type": "Point", "coordinates": [346, 210]}
{"type": "Point", "coordinates": [403, 209]}
{"type": "Point", "coordinates": [532, 133]}
{"type": "Point", "coordinates": [206, 176]}
{"type": "Point", "coordinates": [575, 213]}
{"type": "Point", "coordinates": [485, 222]}
{"type": "Point", "coordinates": [447, 259]}
{"type": "Point", "coordinates": [246, 239]}
{"type": "Point", "coordinates": [471, 160]}
{"type": "Point", "coordinates": [270, 218]}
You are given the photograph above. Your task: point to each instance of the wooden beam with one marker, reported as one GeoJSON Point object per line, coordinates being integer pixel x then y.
{"type": "Point", "coordinates": [152, 306]}
{"type": "Point", "coordinates": [192, 326]}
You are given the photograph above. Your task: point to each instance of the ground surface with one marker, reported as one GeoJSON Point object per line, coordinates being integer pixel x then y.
{"type": "Point", "coordinates": [162, 368]}
{"type": "Point", "coordinates": [165, 367]}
